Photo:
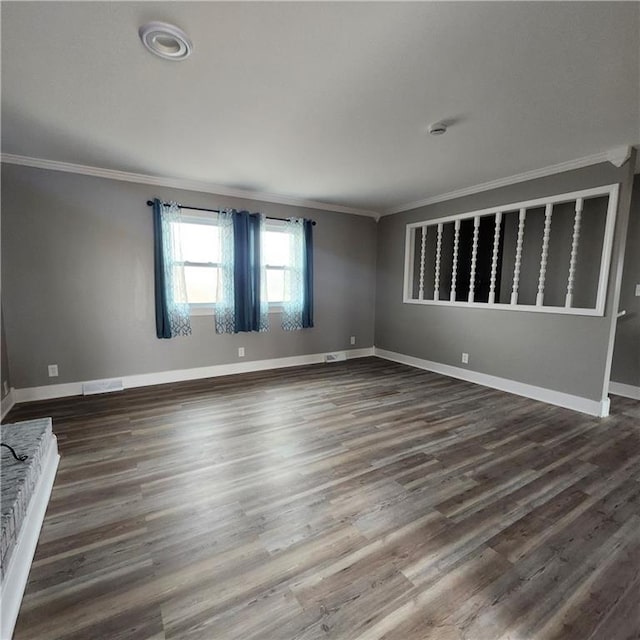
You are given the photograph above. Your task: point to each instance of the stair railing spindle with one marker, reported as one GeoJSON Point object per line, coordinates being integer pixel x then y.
{"type": "Point", "coordinates": [544, 255]}
{"type": "Point", "coordinates": [577, 220]}
{"type": "Point", "coordinates": [474, 257]}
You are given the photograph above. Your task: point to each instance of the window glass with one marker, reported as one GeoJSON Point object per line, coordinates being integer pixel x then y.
{"type": "Point", "coordinates": [200, 242]}
{"type": "Point", "coordinates": [202, 284]}
{"type": "Point", "coordinates": [276, 248]}
{"type": "Point", "coordinates": [276, 255]}
{"type": "Point", "coordinates": [275, 285]}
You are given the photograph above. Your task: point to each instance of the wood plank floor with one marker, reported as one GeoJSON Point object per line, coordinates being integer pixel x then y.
{"type": "Point", "coordinates": [351, 501]}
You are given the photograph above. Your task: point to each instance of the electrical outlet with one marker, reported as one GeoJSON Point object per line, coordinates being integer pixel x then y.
{"type": "Point", "coordinates": [352, 339]}
{"type": "Point", "coordinates": [5, 387]}
{"type": "Point", "coordinates": [465, 358]}
{"type": "Point", "coordinates": [638, 290]}
{"type": "Point", "coordinates": [53, 370]}
{"type": "Point", "coordinates": [240, 352]}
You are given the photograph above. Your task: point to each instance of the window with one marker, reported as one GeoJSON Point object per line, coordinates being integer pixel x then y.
{"type": "Point", "coordinates": [550, 255]}
{"type": "Point", "coordinates": [199, 239]}
{"type": "Point", "coordinates": [276, 255]}
{"type": "Point", "coordinates": [200, 244]}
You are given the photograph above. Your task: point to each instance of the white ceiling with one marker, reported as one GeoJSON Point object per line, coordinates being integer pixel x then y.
{"type": "Point", "coordinates": [327, 101]}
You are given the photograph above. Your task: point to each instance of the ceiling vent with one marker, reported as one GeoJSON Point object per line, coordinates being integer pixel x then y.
{"type": "Point", "coordinates": [165, 40]}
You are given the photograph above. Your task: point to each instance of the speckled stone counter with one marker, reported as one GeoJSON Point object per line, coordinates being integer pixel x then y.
{"type": "Point", "coordinates": [19, 479]}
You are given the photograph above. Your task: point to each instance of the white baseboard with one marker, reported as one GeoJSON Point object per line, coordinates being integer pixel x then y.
{"type": "Point", "coordinates": [626, 390]}
{"type": "Point", "coordinates": [30, 394]}
{"type": "Point", "coordinates": [6, 404]}
{"type": "Point", "coordinates": [577, 403]}
{"type": "Point", "coordinates": [567, 400]}
{"type": "Point", "coordinates": [15, 578]}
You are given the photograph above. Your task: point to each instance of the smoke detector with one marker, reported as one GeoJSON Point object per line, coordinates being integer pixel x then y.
{"type": "Point", "coordinates": [165, 40]}
{"type": "Point", "coordinates": [437, 128]}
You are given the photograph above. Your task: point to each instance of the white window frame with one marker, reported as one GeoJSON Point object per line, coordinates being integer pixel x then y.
{"type": "Point", "coordinates": [279, 226]}
{"type": "Point", "coordinates": [610, 190]}
{"type": "Point", "coordinates": [191, 216]}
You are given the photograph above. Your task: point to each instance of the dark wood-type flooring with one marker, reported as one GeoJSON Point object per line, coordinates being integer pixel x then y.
{"type": "Point", "coordinates": [357, 500]}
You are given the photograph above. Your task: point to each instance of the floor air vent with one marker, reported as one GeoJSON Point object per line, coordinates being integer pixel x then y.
{"type": "Point", "coordinates": [335, 357]}
{"type": "Point", "coordinates": [102, 386]}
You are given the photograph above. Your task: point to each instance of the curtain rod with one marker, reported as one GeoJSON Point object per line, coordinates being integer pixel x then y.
{"type": "Point", "coordinates": [182, 206]}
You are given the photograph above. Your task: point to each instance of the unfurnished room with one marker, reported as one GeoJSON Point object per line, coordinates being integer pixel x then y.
{"type": "Point", "coordinates": [320, 320]}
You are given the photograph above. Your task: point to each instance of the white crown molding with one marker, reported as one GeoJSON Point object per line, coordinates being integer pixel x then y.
{"type": "Point", "coordinates": [180, 183]}
{"type": "Point", "coordinates": [579, 163]}
{"type": "Point", "coordinates": [598, 408]}
{"type": "Point", "coordinates": [618, 156]}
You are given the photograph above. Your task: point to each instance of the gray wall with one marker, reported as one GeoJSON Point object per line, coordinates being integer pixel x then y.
{"type": "Point", "coordinates": [563, 353]}
{"type": "Point", "coordinates": [77, 285]}
{"type": "Point", "coordinates": [626, 354]}
{"type": "Point", "coordinates": [77, 282]}
{"type": "Point", "coordinates": [5, 375]}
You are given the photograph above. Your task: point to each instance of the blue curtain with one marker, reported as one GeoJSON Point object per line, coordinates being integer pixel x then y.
{"type": "Point", "coordinates": [307, 303]}
{"type": "Point", "coordinates": [298, 283]}
{"type": "Point", "coordinates": [172, 308]}
{"type": "Point", "coordinates": [243, 305]}
{"type": "Point", "coordinates": [163, 328]}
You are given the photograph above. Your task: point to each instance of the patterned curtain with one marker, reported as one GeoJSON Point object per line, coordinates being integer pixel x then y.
{"type": "Point", "coordinates": [225, 316]}
{"type": "Point", "coordinates": [242, 304]}
{"type": "Point", "coordinates": [172, 308]}
{"type": "Point", "coordinates": [298, 279]}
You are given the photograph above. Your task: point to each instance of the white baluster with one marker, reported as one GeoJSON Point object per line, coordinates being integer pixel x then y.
{"type": "Point", "coordinates": [518, 259]}
{"type": "Point", "coordinates": [474, 257]}
{"type": "Point", "coordinates": [454, 268]}
{"type": "Point", "coordinates": [544, 255]}
{"type": "Point", "coordinates": [436, 286]}
{"type": "Point", "coordinates": [494, 258]}
{"type": "Point", "coordinates": [574, 253]}
{"type": "Point", "coordinates": [422, 256]}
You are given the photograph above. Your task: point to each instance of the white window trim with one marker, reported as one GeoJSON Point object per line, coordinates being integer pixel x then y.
{"type": "Point", "coordinates": [193, 216]}
{"type": "Point", "coordinates": [201, 309]}
{"type": "Point", "coordinates": [611, 190]}
{"type": "Point", "coordinates": [277, 306]}
{"type": "Point", "coordinates": [199, 217]}
{"type": "Point", "coordinates": [208, 308]}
